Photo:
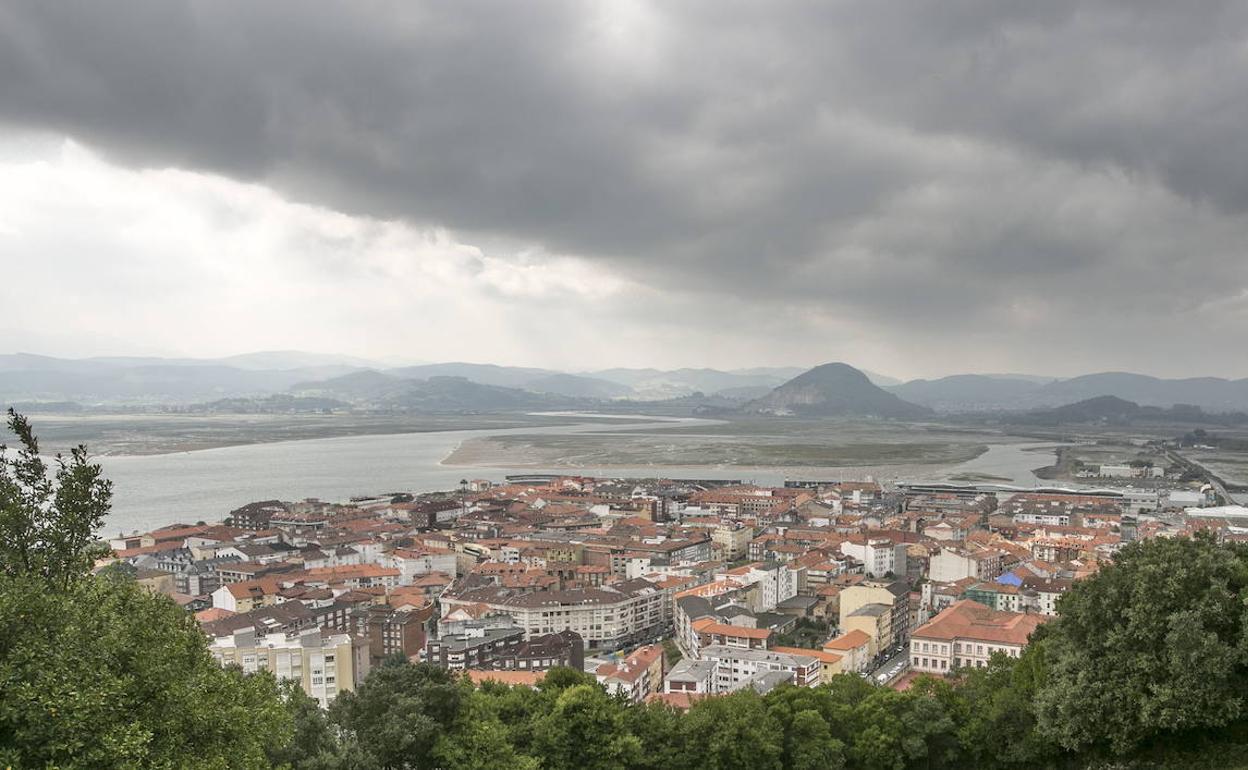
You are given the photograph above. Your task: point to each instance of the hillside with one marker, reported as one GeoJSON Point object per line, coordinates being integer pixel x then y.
{"type": "Point", "coordinates": [1211, 393]}
{"type": "Point", "coordinates": [835, 390]}
{"type": "Point", "coordinates": [577, 386]}
{"type": "Point", "coordinates": [1117, 411]}
{"type": "Point", "coordinates": [378, 390]}
{"type": "Point", "coordinates": [967, 392]}
{"type": "Point", "coordinates": [656, 384]}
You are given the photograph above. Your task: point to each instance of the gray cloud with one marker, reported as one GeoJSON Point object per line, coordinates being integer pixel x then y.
{"type": "Point", "coordinates": [920, 176]}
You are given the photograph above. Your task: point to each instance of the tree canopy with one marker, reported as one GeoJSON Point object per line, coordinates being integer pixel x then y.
{"type": "Point", "coordinates": [97, 671]}
{"type": "Point", "coordinates": [48, 514]}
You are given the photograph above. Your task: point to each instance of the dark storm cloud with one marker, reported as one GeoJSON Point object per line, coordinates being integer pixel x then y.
{"type": "Point", "coordinates": [964, 163]}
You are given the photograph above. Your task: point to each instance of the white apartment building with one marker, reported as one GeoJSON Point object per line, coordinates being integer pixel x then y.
{"type": "Point", "coordinates": [1056, 518]}
{"type": "Point", "coordinates": [323, 664]}
{"type": "Point", "coordinates": [411, 564]}
{"type": "Point", "coordinates": [775, 582]}
{"type": "Point", "coordinates": [735, 667]}
{"type": "Point", "coordinates": [879, 556]}
{"type": "Point", "coordinates": [692, 676]}
{"type": "Point", "coordinates": [952, 564]}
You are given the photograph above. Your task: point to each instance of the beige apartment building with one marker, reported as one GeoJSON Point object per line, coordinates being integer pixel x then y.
{"type": "Point", "coordinates": [323, 664]}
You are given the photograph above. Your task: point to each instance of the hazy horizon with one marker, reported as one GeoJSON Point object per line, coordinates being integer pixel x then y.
{"type": "Point", "coordinates": [395, 363]}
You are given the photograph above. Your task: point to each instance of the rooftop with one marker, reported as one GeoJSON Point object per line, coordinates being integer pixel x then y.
{"type": "Point", "coordinates": [967, 619]}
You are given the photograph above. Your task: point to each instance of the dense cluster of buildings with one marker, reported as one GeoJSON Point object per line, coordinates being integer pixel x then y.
{"type": "Point", "coordinates": [664, 589]}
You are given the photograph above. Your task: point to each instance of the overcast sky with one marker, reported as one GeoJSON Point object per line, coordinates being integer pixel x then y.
{"type": "Point", "coordinates": [917, 188]}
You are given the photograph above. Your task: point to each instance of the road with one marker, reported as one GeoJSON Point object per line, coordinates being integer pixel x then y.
{"type": "Point", "coordinates": [901, 657]}
{"type": "Point", "coordinates": [1187, 462]}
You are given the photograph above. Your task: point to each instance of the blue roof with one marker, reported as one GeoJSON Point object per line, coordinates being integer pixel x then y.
{"type": "Point", "coordinates": [1010, 579]}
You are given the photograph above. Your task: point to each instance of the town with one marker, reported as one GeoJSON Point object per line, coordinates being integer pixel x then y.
{"type": "Point", "coordinates": [663, 589]}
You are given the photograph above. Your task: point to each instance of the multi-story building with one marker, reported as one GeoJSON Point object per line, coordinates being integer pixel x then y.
{"type": "Point", "coordinates": [967, 634]}
{"type": "Point", "coordinates": [475, 647]}
{"type": "Point", "coordinates": [540, 653]}
{"type": "Point", "coordinates": [200, 578]}
{"type": "Point", "coordinates": [880, 556]}
{"type": "Point", "coordinates": [636, 676]}
{"type": "Point", "coordinates": [709, 632]}
{"type": "Point", "coordinates": [609, 617]}
{"type": "Point", "coordinates": [390, 631]}
{"type": "Point", "coordinates": [1047, 590]}
{"type": "Point", "coordinates": [255, 516]}
{"type": "Point", "coordinates": [954, 564]}
{"type": "Point", "coordinates": [247, 595]}
{"type": "Point", "coordinates": [854, 649]}
{"type": "Point", "coordinates": [489, 646]}
{"type": "Point", "coordinates": [736, 668]}
{"type": "Point", "coordinates": [1055, 518]}
{"type": "Point", "coordinates": [732, 539]}
{"type": "Point", "coordinates": [323, 664]}
{"type": "Point", "coordinates": [829, 662]}
{"type": "Point", "coordinates": [1001, 596]}
{"type": "Point", "coordinates": [411, 564]}
{"type": "Point", "coordinates": [894, 595]}
{"type": "Point", "coordinates": [691, 676]}
{"type": "Point", "coordinates": [874, 620]}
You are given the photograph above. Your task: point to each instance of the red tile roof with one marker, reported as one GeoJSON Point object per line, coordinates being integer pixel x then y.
{"type": "Point", "coordinates": [967, 619]}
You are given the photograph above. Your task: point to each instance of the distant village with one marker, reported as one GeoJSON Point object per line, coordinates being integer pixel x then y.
{"type": "Point", "coordinates": [663, 589]}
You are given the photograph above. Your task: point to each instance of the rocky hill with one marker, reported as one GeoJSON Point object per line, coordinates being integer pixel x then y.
{"type": "Point", "coordinates": [835, 390]}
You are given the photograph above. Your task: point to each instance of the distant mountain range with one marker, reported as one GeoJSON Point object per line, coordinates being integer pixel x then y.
{"type": "Point", "coordinates": [977, 392]}
{"type": "Point", "coordinates": [829, 389]}
{"type": "Point", "coordinates": [163, 381]}
{"type": "Point", "coordinates": [25, 377]}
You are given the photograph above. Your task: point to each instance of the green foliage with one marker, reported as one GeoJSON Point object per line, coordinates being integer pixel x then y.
{"type": "Point", "coordinates": [734, 732]}
{"type": "Point", "coordinates": [395, 717]}
{"type": "Point", "coordinates": [48, 516]}
{"type": "Point", "coordinates": [106, 674]}
{"type": "Point", "coordinates": [584, 729]}
{"type": "Point", "coordinates": [1153, 645]}
{"type": "Point", "coordinates": [96, 671]}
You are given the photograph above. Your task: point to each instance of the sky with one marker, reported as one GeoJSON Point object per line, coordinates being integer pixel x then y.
{"type": "Point", "coordinates": [916, 188]}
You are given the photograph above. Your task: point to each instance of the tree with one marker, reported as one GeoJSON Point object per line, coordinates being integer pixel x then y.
{"type": "Point", "coordinates": [585, 731]}
{"type": "Point", "coordinates": [48, 518]}
{"type": "Point", "coordinates": [394, 719]}
{"type": "Point", "coordinates": [313, 744]}
{"type": "Point", "coordinates": [733, 732]}
{"type": "Point", "coordinates": [478, 739]}
{"type": "Point", "coordinates": [809, 744]}
{"type": "Point", "coordinates": [107, 674]}
{"type": "Point", "coordinates": [1151, 645]}
{"type": "Point", "coordinates": [658, 727]}
{"type": "Point", "coordinates": [96, 671]}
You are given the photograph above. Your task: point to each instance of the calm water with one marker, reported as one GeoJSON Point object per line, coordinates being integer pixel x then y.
{"type": "Point", "coordinates": [155, 490]}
